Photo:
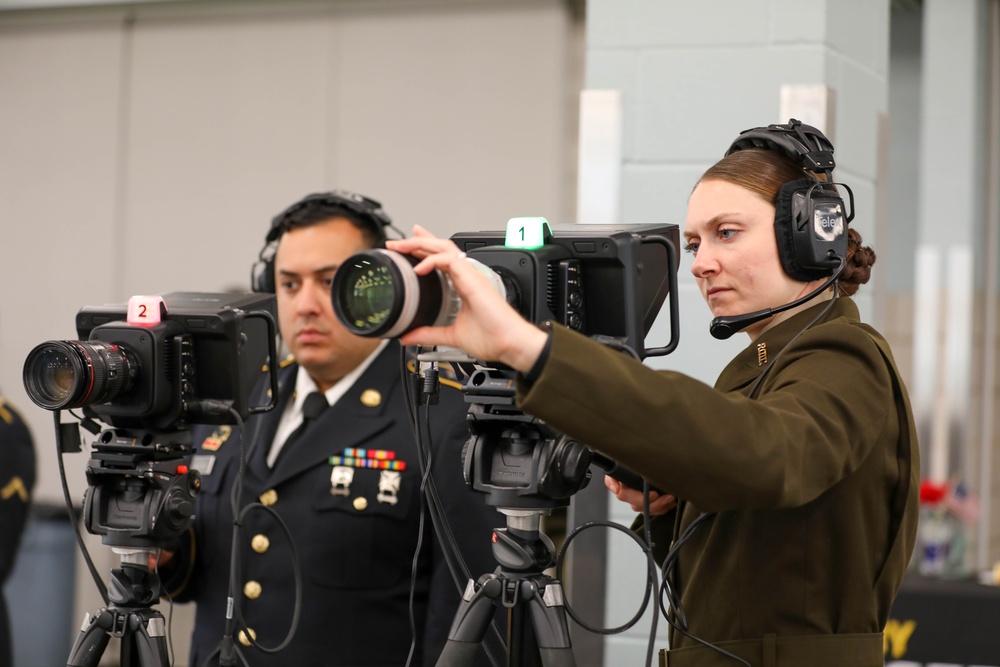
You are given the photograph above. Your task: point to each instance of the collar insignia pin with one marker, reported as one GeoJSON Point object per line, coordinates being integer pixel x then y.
{"type": "Point", "coordinates": [219, 436]}
{"type": "Point", "coordinates": [761, 354]}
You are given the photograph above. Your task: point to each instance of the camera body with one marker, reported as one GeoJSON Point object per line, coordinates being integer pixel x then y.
{"type": "Point", "coordinates": [148, 370]}
{"type": "Point", "coordinates": [200, 357]}
{"type": "Point", "coordinates": [600, 280]}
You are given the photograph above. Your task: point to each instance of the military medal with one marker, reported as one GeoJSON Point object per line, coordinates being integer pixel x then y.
{"type": "Point", "coordinates": [388, 486]}
{"type": "Point", "coordinates": [340, 480]}
{"type": "Point", "coordinates": [379, 459]}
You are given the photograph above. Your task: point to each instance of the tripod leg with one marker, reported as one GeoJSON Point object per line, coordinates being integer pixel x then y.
{"type": "Point", "coordinates": [548, 617]}
{"type": "Point", "coordinates": [145, 632]}
{"type": "Point", "coordinates": [92, 640]}
{"type": "Point", "coordinates": [472, 619]}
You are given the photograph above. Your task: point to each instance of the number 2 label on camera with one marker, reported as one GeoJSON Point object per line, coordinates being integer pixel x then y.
{"type": "Point", "coordinates": [145, 311]}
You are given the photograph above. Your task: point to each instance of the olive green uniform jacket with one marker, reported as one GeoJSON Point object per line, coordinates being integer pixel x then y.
{"type": "Point", "coordinates": [814, 482]}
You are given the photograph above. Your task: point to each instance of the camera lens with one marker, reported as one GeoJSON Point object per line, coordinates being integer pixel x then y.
{"type": "Point", "coordinates": [64, 374]}
{"type": "Point", "coordinates": [377, 294]}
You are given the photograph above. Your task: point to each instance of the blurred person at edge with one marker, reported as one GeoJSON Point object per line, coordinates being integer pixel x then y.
{"type": "Point", "coordinates": [802, 458]}
{"type": "Point", "coordinates": [17, 479]}
{"type": "Point", "coordinates": [355, 527]}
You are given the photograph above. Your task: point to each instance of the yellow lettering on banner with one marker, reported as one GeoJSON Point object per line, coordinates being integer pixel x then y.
{"type": "Point", "coordinates": [896, 636]}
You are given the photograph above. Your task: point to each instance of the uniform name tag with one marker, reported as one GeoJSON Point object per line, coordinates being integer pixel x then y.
{"type": "Point", "coordinates": [203, 463]}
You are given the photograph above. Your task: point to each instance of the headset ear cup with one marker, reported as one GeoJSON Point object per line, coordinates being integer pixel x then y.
{"type": "Point", "coordinates": [262, 272]}
{"type": "Point", "coordinates": [792, 240]}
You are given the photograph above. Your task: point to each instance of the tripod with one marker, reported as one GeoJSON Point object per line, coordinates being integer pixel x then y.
{"type": "Point", "coordinates": [132, 590]}
{"type": "Point", "coordinates": [523, 553]}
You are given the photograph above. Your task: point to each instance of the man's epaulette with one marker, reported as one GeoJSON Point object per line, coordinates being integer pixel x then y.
{"type": "Point", "coordinates": [284, 363]}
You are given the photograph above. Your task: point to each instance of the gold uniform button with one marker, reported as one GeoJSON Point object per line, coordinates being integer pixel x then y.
{"type": "Point", "coordinates": [260, 543]}
{"type": "Point", "coordinates": [371, 398]}
{"type": "Point", "coordinates": [269, 498]}
{"type": "Point", "coordinates": [252, 590]}
{"type": "Point", "coordinates": [360, 503]}
{"type": "Point", "coordinates": [246, 640]}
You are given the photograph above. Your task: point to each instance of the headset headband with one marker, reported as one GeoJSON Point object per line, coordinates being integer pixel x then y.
{"type": "Point", "coordinates": [802, 142]}
{"type": "Point", "coordinates": [351, 201]}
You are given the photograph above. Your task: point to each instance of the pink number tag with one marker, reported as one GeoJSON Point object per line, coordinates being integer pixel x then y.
{"type": "Point", "coordinates": [145, 311]}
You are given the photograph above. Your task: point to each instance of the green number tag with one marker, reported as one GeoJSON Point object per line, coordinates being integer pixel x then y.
{"type": "Point", "coordinates": [527, 233]}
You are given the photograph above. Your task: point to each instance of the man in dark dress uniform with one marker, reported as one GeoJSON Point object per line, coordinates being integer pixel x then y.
{"type": "Point", "coordinates": [17, 478]}
{"type": "Point", "coordinates": [347, 487]}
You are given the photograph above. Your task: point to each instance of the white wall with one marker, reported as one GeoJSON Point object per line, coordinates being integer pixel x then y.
{"type": "Point", "coordinates": [144, 149]}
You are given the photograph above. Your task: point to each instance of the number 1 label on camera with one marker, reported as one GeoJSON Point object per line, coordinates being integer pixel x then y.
{"type": "Point", "coordinates": [145, 311]}
{"type": "Point", "coordinates": [529, 233]}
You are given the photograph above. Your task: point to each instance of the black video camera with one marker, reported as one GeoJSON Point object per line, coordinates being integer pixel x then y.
{"type": "Point", "coordinates": [600, 280]}
{"type": "Point", "coordinates": [149, 369]}
{"type": "Point", "coordinates": [159, 363]}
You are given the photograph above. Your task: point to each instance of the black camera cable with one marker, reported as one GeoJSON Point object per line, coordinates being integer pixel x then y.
{"type": "Point", "coordinates": [645, 543]}
{"type": "Point", "coordinates": [228, 652]}
{"type": "Point", "coordinates": [673, 595]}
{"type": "Point", "coordinates": [422, 436]}
{"type": "Point", "coordinates": [60, 445]}
{"type": "Point", "coordinates": [427, 385]}
{"type": "Point", "coordinates": [91, 426]}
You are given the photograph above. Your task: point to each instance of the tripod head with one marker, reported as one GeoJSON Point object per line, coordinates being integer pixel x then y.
{"type": "Point", "coordinates": [140, 491]}
{"type": "Point", "coordinates": [517, 460]}
{"type": "Point", "coordinates": [522, 547]}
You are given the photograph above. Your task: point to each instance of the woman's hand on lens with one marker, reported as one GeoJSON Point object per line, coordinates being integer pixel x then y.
{"type": "Point", "coordinates": [658, 503]}
{"type": "Point", "coordinates": [486, 327]}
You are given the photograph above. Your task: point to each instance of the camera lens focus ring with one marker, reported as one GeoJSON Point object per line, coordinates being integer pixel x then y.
{"type": "Point", "coordinates": [376, 293]}
{"type": "Point", "coordinates": [70, 374]}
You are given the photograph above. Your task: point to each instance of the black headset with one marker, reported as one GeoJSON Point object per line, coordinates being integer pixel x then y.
{"type": "Point", "coordinates": [356, 207]}
{"type": "Point", "coordinates": [810, 220]}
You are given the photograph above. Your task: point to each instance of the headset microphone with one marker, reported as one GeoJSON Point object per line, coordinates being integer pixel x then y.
{"type": "Point", "coordinates": [725, 326]}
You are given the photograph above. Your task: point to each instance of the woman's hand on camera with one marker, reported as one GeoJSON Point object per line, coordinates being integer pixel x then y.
{"type": "Point", "coordinates": [486, 327]}
{"type": "Point", "coordinates": [658, 503]}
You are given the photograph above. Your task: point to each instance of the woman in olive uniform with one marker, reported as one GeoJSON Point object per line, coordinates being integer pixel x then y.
{"type": "Point", "coordinates": [802, 458]}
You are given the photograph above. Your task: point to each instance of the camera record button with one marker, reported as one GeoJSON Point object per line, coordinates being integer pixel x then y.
{"type": "Point", "coordinates": [269, 498]}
